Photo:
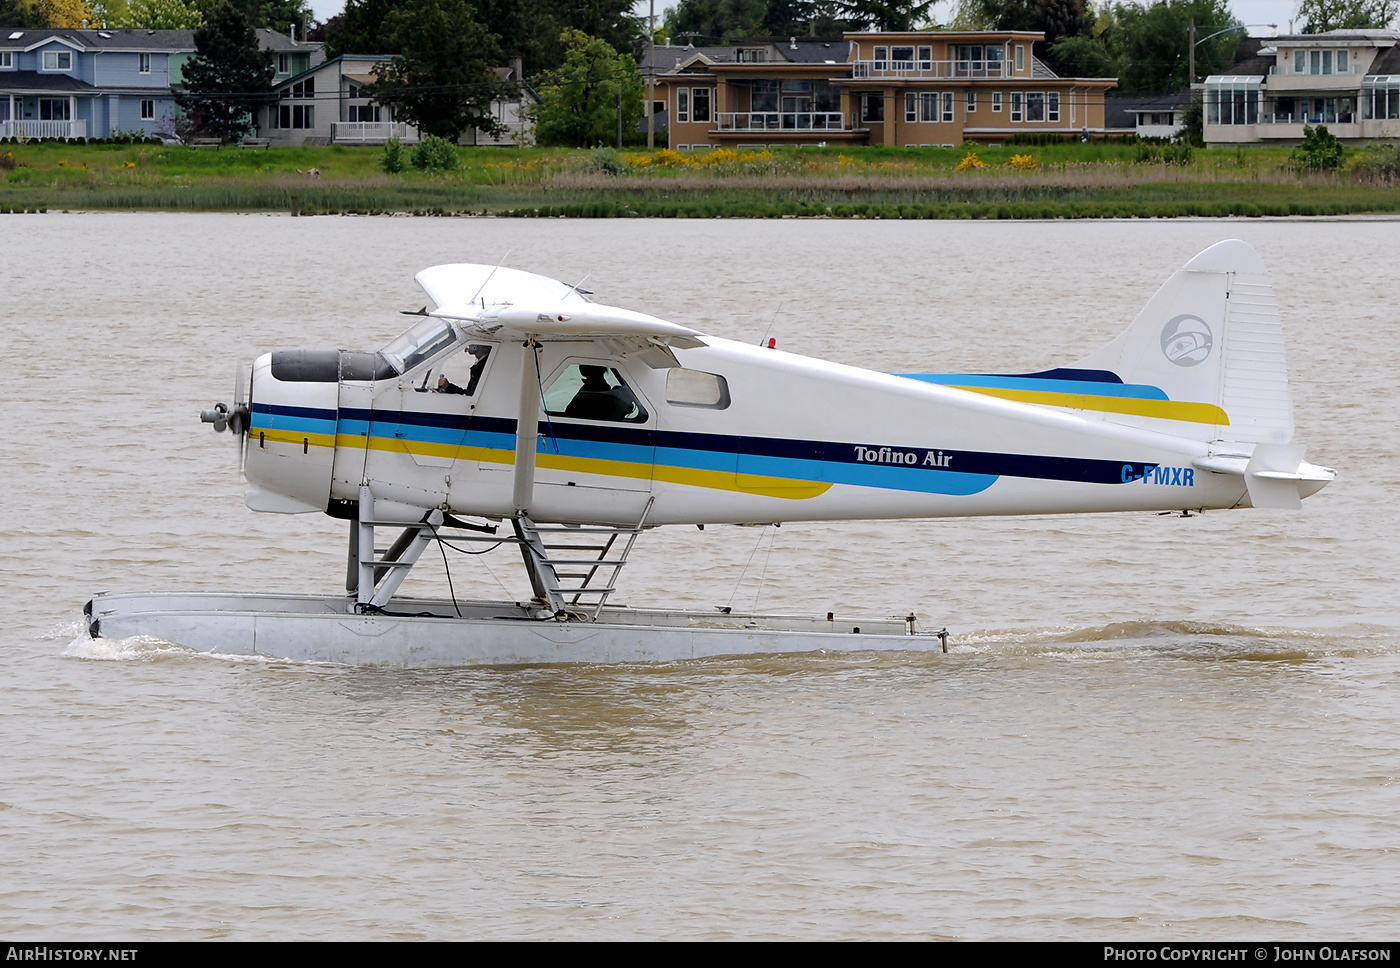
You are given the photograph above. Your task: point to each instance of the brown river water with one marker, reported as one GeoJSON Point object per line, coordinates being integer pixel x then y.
{"type": "Point", "coordinates": [1146, 727]}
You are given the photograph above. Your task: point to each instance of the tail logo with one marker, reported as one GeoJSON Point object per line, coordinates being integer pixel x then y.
{"type": "Point", "coordinates": [1186, 340]}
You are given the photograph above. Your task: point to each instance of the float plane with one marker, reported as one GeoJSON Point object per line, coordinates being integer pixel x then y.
{"type": "Point", "coordinates": [519, 411]}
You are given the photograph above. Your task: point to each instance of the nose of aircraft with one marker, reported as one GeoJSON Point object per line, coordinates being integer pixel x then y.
{"type": "Point", "coordinates": [289, 417]}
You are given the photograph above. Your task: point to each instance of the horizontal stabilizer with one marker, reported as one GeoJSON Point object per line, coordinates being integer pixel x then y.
{"type": "Point", "coordinates": [1272, 476]}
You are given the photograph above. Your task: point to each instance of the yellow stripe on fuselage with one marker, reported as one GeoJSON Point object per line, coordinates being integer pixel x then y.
{"type": "Point", "coordinates": [783, 487]}
{"type": "Point", "coordinates": [1204, 413]}
{"type": "Point", "coordinates": [299, 438]}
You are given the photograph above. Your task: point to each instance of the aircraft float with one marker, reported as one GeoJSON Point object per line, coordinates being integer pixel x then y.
{"type": "Point", "coordinates": [521, 413]}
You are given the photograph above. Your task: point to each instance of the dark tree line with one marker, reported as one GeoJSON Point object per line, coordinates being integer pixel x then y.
{"type": "Point", "coordinates": [527, 29]}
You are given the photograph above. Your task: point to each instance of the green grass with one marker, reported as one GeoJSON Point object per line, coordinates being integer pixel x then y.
{"type": "Point", "coordinates": [1070, 181]}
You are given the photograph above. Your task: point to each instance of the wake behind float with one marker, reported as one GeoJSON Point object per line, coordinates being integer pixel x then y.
{"type": "Point", "coordinates": [520, 413]}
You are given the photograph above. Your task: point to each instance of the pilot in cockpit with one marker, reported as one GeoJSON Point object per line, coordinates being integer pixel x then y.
{"type": "Point", "coordinates": [482, 354]}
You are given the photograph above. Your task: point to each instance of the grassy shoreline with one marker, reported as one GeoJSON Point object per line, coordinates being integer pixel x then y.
{"type": "Point", "coordinates": [1056, 181]}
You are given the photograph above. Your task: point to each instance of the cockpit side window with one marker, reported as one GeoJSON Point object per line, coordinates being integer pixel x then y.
{"type": "Point", "coordinates": [423, 339]}
{"type": "Point", "coordinates": [459, 372]}
{"type": "Point", "coordinates": [696, 388]}
{"type": "Point", "coordinates": [592, 391]}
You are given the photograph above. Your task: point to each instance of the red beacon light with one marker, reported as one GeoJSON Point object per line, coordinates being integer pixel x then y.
{"type": "Point", "coordinates": [772, 342]}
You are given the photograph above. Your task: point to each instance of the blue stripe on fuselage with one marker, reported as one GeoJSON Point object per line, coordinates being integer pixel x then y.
{"type": "Point", "coordinates": [1137, 391]}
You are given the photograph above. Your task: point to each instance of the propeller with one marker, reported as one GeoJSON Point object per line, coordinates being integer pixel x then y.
{"type": "Point", "coordinates": [234, 418]}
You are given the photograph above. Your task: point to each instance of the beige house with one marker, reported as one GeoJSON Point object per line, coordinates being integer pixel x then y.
{"type": "Point", "coordinates": [331, 104]}
{"type": "Point", "coordinates": [1348, 80]}
{"type": "Point", "coordinates": [914, 89]}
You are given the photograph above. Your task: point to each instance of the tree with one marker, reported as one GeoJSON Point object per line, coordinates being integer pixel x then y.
{"type": "Point", "coordinates": [444, 76]}
{"type": "Point", "coordinates": [66, 13]}
{"type": "Point", "coordinates": [21, 13]}
{"type": "Point", "coordinates": [1059, 20]}
{"type": "Point", "coordinates": [1320, 16]}
{"type": "Point", "coordinates": [711, 22]}
{"type": "Point", "coordinates": [1083, 57]}
{"type": "Point", "coordinates": [359, 30]}
{"type": "Point", "coordinates": [157, 15]}
{"type": "Point", "coordinates": [282, 15]}
{"type": "Point", "coordinates": [227, 77]}
{"type": "Point", "coordinates": [1320, 150]}
{"type": "Point", "coordinates": [1152, 43]}
{"type": "Point", "coordinates": [579, 102]}
{"type": "Point", "coordinates": [532, 29]}
{"type": "Point", "coordinates": [885, 14]}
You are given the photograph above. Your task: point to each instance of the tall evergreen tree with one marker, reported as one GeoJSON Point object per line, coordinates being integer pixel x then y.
{"type": "Point", "coordinates": [228, 76]}
{"type": "Point", "coordinates": [1320, 16]}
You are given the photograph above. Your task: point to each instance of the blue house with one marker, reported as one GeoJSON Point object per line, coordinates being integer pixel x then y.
{"type": "Point", "coordinates": [70, 83]}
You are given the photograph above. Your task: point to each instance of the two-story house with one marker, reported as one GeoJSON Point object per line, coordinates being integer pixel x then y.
{"type": "Point", "coordinates": [71, 83]}
{"type": "Point", "coordinates": [332, 103]}
{"type": "Point", "coordinates": [1348, 80]}
{"type": "Point", "coordinates": [914, 89]}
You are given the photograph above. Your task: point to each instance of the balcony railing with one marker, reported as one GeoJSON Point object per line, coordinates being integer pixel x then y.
{"type": "Point", "coordinates": [780, 121]}
{"type": "Point", "coordinates": [43, 129]}
{"type": "Point", "coordinates": [930, 69]}
{"type": "Point", "coordinates": [371, 132]}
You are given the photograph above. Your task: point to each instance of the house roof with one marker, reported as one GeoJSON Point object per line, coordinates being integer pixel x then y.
{"type": "Point", "coordinates": [42, 82]}
{"type": "Point", "coordinates": [117, 38]}
{"type": "Point", "coordinates": [1038, 68]}
{"type": "Point", "coordinates": [1387, 63]}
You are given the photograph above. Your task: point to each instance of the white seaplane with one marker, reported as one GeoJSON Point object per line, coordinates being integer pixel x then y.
{"type": "Point", "coordinates": [521, 412]}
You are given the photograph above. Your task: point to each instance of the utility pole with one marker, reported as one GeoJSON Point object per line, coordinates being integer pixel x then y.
{"type": "Point", "coordinates": [651, 79]}
{"type": "Point", "coordinates": [1192, 60]}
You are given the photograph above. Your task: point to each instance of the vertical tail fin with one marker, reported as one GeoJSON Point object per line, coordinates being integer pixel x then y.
{"type": "Point", "coordinates": [1211, 335]}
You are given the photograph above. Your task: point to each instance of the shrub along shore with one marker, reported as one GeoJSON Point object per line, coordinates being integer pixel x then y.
{"type": "Point", "coordinates": [1030, 181]}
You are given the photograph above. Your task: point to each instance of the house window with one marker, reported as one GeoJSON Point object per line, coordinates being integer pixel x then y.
{"type": "Point", "coordinates": [947, 105]}
{"type": "Point", "coordinates": [700, 109]}
{"type": "Point", "coordinates": [55, 109]}
{"type": "Point", "coordinates": [148, 109]}
{"type": "Point", "coordinates": [881, 58]}
{"type": "Point", "coordinates": [296, 116]}
{"type": "Point", "coordinates": [1016, 101]}
{"type": "Point", "coordinates": [969, 60]}
{"type": "Point", "coordinates": [995, 57]}
{"type": "Point", "coordinates": [683, 104]}
{"type": "Point", "coordinates": [7, 60]}
{"type": "Point", "coordinates": [970, 102]}
{"type": "Point", "coordinates": [364, 112]}
{"type": "Point", "coordinates": [143, 63]}
{"type": "Point", "coordinates": [911, 106]}
{"type": "Point", "coordinates": [925, 58]}
{"type": "Point", "coordinates": [903, 58]}
{"type": "Point", "coordinates": [284, 63]}
{"type": "Point", "coordinates": [764, 96]}
{"type": "Point", "coordinates": [1035, 106]}
{"type": "Point", "coordinates": [58, 60]}
{"type": "Point", "coordinates": [1235, 103]}
{"type": "Point", "coordinates": [1020, 58]}
{"type": "Point", "coordinates": [751, 55]}
{"type": "Point", "coordinates": [928, 106]}
{"type": "Point", "coordinates": [1300, 62]}
{"type": "Point", "coordinates": [996, 102]}
{"type": "Point", "coordinates": [872, 107]}
{"type": "Point", "coordinates": [1052, 106]}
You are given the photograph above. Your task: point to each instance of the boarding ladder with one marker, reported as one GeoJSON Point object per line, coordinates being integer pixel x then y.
{"type": "Point", "coordinates": [574, 568]}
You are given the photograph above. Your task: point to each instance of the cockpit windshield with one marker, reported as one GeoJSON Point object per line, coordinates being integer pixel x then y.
{"type": "Point", "coordinates": [424, 339]}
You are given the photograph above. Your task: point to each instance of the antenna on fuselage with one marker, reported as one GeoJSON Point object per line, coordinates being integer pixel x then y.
{"type": "Point", "coordinates": [578, 291]}
{"type": "Point", "coordinates": [488, 279]}
{"type": "Point", "coordinates": [771, 322]}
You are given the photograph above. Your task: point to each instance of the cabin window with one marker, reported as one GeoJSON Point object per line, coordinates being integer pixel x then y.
{"type": "Point", "coordinates": [457, 372]}
{"type": "Point", "coordinates": [423, 340]}
{"type": "Point", "coordinates": [592, 391]}
{"type": "Point", "coordinates": [696, 388]}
